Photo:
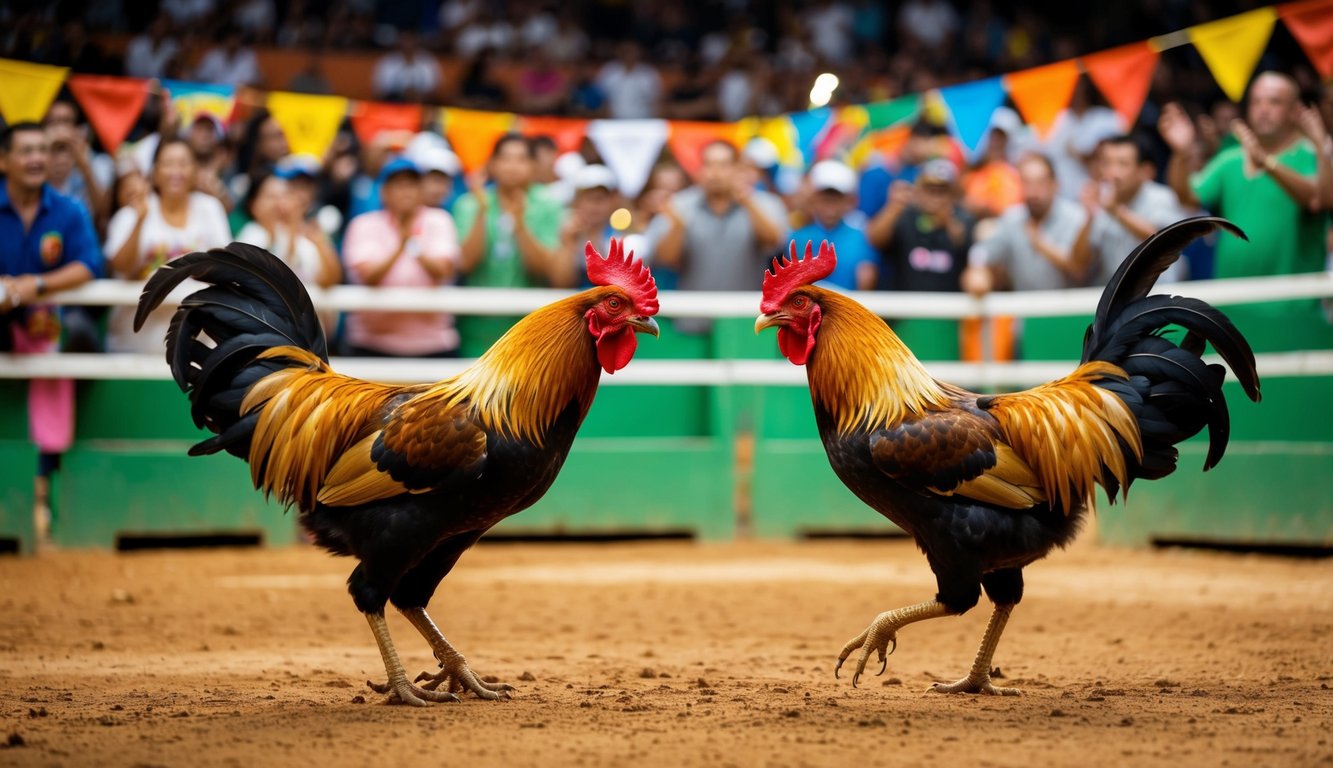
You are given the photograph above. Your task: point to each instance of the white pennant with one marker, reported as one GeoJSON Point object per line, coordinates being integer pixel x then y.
{"type": "Point", "coordinates": [629, 148]}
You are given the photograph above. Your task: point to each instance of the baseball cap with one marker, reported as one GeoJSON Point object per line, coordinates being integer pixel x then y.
{"type": "Point", "coordinates": [396, 166]}
{"type": "Point", "coordinates": [594, 176]}
{"type": "Point", "coordinates": [761, 152]}
{"type": "Point", "coordinates": [293, 166]}
{"type": "Point", "coordinates": [831, 174]}
{"type": "Point", "coordinates": [438, 159]}
{"type": "Point", "coordinates": [939, 170]}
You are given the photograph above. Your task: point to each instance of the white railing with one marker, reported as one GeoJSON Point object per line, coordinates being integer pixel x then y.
{"type": "Point", "coordinates": [721, 304]}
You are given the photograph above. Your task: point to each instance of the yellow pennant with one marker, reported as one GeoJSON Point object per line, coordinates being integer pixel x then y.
{"type": "Point", "coordinates": [1231, 47]}
{"type": "Point", "coordinates": [28, 89]}
{"type": "Point", "coordinates": [309, 122]}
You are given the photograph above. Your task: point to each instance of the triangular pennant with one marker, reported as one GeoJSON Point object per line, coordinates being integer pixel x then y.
{"type": "Point", "coordinates": [112, 105]}
{"type": "Point", "coordinates": [1312, 26]}
{"type": "Point", "coordinates": [309, 122]}
{"type": "Point", "coordinates": [810, 128]}
{"type": "Point", "coordinates": [777, 130]}
{"type": "Point", "coordinates": [887, 114]}
{"type": "Point", "coordinates": [970, 108]}
{"type": "Point", "coordinates": [1123, 75]}
{"type": "Point", "coordinates": [568, 132]}
{"type": "Point", "coordinates": [1231, 47]}
{"type": "Point", "coordinates": [370, 118]}
{"type": "Point", "coordinates": [473, 134]}
{"type": "Point", "coordinates": [886, 143]}
{"type": "Point", "coordinates": [687, 140]}
{"type": "Point", "coordinates": [849, 123]}
{"type": "Point", "coordinates": [28, 90]}
{"type": "Point", "coordinates": [1041, 93]}
{"type": "Point", "coordinates": [194, 99]}
{"type": "Point", "coordinates": [629, 147]}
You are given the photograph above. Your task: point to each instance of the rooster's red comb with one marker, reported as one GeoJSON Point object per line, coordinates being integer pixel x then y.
{"type": "Point", "coordinates": [625, 272]}
{"type": "Point", "coordinates": [791, 273]}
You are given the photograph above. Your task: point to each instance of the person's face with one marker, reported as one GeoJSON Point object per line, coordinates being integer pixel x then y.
{"type": "Point", "coordinates": [512, 166]}
{"type": "Point", "coordinates": [1119, 165]}
{"type": "Point", "coordinates": [29, 158]}
{"type": "Point", "coordinates": [545, 165]}
{"type": "Point", "coordinates": [272, 141]}
{"type": "Point", "coordinates": [302, 191]}
{"type": "Point", "coordinates": [61, 162]}
{"type": "Point", "coordinates": [273, 202]}
{"type": "Point", "coordinates": [174, 172]}
{"type": "Point", "coordinates": [203, 138]}
{"type": "Point", "coordinates": [62, 114]}
{"type": "Point", "coordinates": [401, 194]}
{"type": "Point", "coordinates": [132, 187]}
{"type": "Point", "coordinates": [594, 206]}
{"type": "Point", "coordinates": [671, 179]}
{"type": "Point", "coordinates": [829, 206]}
{"type": "Point", "coordinates": [435, 187]}
{"type": "Point", "coordinates": [933, 197]}
{"type": "Point", "coordinates": [1271, 112]}
{"type": "Point", "coordinates": [1038, 187]}
{"type": "Point", "coordinates": [718, 173]}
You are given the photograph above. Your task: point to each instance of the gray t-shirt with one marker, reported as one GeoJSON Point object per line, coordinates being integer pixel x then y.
{"type": "Point", "coordinates": [1111, 242]}
{"type": "Point", "coordinates": [720, 253]}
{"type": "Point", "coordinates": [1009, 246]}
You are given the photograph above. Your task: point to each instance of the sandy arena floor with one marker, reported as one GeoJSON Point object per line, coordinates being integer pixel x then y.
{"type": "Point", "coordinates": [664, 654]}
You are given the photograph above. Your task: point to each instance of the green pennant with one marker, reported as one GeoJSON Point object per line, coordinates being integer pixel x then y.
{"type": "Point", "coordinates": [886, 114]}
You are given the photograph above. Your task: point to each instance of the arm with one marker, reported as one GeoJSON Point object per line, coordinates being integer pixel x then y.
{"type": "Point", "coordinates": [439, 250]}
{"type": "Point", "coordinates": [767, 232]}
{"type": "Point", "coordinates": [28, 289]}
{"type": "Point", "coordinates": [1059, 257]}
{"type": "Point", "coordinates": [124, 259]}
{"type": "Point", "coordinates": [1312, 125]}
{"type": "Point", "coordinates": [562, 273]}
{"type": "Point", "coordinates": [1298, 188]}
{"type": "Point", "coordinates": [535, 254]}
{"type": "Point", "coordinates": [1178, 132]}
{"type": "Point", "coordinates": [880, 229]}
{"type": "Point", "coordinates": [367, 255]}
{"type": "Point", "coordinates": [331, 270]}
{"type": "Point", "coordinates": [471, 210]}
{"type": "Point", "coordinates": [670, 247]}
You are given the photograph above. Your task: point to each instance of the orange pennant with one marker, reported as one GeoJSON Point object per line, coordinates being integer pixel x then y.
{"type": "Point", "coordinates": [1041, 93]}
{"type": "Point", "coordinates": [112, 105]}
{"type": "Point", "coordinates": [473, 134]}
{"type": "Point", "coordinates": [1312, 25]}
{"type": "Point", "coordinates": [568, 132]}
{"type": "Point", "coordinates": [687, 139]}
{"type": "Point", "coordinates": [1123, 75]}
{"type": "Point", "coordinates": [370, 118]}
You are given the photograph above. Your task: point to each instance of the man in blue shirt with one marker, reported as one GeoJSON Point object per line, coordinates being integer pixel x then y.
{"type": "Point", "coordinates": [47, 245]}
{"type": "Point", "coordinates": [834, 214]}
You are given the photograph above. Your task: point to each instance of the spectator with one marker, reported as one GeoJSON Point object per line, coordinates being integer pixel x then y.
{"type": "Point", "coordinates": [406, 244]}
{"type": "Point", "coordinates": [231, 62]}
{"type": "Point", "coordinates": [165, 223]}
{"type": "Point", "coordinates": [922, 234]}
{"type": "Point", "coordinates": [543, 88]}
{"type": "Point", "coordinates": [263, 144]}
{"type": "Point", "coordinates": [544, 155]}
{"type": "Point", "coordinates": [929, 24]}
{"type": "Point", "coordinates": [830, 25]}
{"type": "Point", "coordinates": [1125, 207]}
{"type": "Point", "coordinates": [481, 86]}
{"type": "Point", "coordinates": [719, 234]}
{"type": "Point", "coordinates": [1274, 185]}
{"type": "Point", "coordinates": [407, 73]}
{"type": "Point", "coordinates": [589, 221]}
{"type": "Point", "coordinates": [1030, 248]}
{"type": "Point", "coordinates": [993, 184]}
{"type": "Point", "coordinates": [278, 225]}
{"type": "Point", "coordinates": [510, 233]}
{"type": "Point", "coordinates": [923, 143]}
{"type": "Point", "coordinates": [439, 167]}
{"type": "Point", "coordinates": [1077, 131]}
{"type": "Point", "coordinates": [633, 88]}
{"type": "Point", "coordinates": [487, 33]}
{"type": "Point", "coordinates": [207, 137]}
{"type": "Point", "coordinates": [75, 170]}
{"type": "Point", "coordinates": [151, 53]}
{"type": "Point", "coordinates": [47, 245]}
{"type": "Point", "coordinates": [833, 213]}
{"type": "Point", "coordinates": [188, 12]}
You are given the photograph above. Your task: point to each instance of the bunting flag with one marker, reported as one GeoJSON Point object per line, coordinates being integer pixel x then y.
{"type": "Point", "coordinates": [849, 123]}
{"type": "Point", "coordinates": [810, 129]}
{"type": "Point", "coordinates": [687, 140]}
{"type": "Point", "coordinates": [193, 99]}
{"type": "Point", "coordinates": [887, 114]}
{"type": "Point", "coordinates": [1041, 93]}
{"type": "Point", "coordinates": [370, 118]}
{"type": "Point", "coordinates": [112, 105]}
{"type": "Point", "coordinates": [1123, 75]}
{"type": "Point", "coordinates": [309, 122]}
{"type": "Point", "coordinates": [473, 134]}
{"type": "Point", "coordinates": [1312, 26]}
{"type": "Point", "coordinates": [1231, 47]}
{"type": "Point", "coordinates": [970, 107]}
{"type": "Point", "coordinates": [568, 132]}
{"type": "Point", "coordinates": [630, 148]}
{"type": "Point", "coordinates": [778, 130]}
{"type": "Point", "coordinates": [28, 90]}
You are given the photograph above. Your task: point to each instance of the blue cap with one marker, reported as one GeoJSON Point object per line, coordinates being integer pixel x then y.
{"type": "Point", "coordinates": [293, 166]}
{"type": "Point", "coordinates": [396, 166]}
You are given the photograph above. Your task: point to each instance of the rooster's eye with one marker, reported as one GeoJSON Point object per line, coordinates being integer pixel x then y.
{"type": "Point", "coordinates": [613, 303]}
{"type": "Point", "coordinates": [799, 303]}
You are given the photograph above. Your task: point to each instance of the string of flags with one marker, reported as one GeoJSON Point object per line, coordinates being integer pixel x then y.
{"type": "Point", "coordinates": [1231, 48]}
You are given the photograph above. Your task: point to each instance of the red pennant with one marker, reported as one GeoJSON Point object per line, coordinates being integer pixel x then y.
{"type": "Point", "coordinates": [1312, 25]}
{"type": "Point", "coordinates": [1123, 75]}
{"type": "Point", "coordinates": [688, 138]}
{"type": "Point", "coordinates": [112, 105]}
{"type": "Point", "coordinates": [370, 118]}
{"type": "Point", "coordinates": [568, 132]}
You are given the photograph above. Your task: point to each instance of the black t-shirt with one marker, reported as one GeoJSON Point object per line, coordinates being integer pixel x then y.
{"type": "Point", "coordinates": [922, 256]}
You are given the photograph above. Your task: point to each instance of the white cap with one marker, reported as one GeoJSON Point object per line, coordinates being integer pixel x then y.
{"type": "Point", "coordinates": [831, 174]}
{"type": "Point", "coordinates": [593, 176]}
{"type": "Point", "coordinates": [568, 164]}
{"type": "Point", "coordinates": [761, 152]}
{"type": "Point", "coordinates": [1007, 120]}
{"type": "Point", "coordinates": [424, 141]}
{"type": "Point", "coordinates": [438, 159]}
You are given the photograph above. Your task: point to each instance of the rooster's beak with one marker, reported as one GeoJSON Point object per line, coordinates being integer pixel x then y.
{"type": "Point", "coordinates": [645, 325]}
{"type": "Point", "coordinates": [768, 321]}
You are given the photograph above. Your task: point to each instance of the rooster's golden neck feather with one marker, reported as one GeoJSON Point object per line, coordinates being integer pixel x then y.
{"type": "Point", "coordinates": [861, 372]}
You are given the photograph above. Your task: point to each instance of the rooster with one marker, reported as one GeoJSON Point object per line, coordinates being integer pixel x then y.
{"type": "Point", "coordinates": [403, 478]}
{"type": "Point", "coordinates": [988, 484]}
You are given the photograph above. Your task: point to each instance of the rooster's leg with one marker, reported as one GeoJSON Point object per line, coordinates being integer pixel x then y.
{"type": "Point", "coordinates": [399, 690]}
{"type": "Point", "coordinates": [883, 630]}
{"type": "Point", "coordinates": [978, 680]}
{"type": "Point", "coordinates": [454, 670]}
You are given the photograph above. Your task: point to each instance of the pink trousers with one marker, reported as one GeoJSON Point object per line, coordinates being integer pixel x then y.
{"type": "Point", "coordinates": [50, 401]}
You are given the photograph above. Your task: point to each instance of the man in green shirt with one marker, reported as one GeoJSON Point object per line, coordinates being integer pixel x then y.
{"type": "Point", "coordinates": [1276, 184]}
{"type": "Point", "coordinates": [510, 234]}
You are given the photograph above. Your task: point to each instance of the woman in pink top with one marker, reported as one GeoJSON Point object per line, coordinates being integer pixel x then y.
{"type": "Point", "coordinates": [405, 244]}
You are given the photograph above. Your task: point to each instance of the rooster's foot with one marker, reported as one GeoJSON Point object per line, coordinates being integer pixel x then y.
{"type": "Point", "coordinates": [458, 677]}
{"type": "Point", "coordinates": [882, 631]}
{"type": "Point", "coordinates": [403, 692]}
{"type": "Point", "coordinates": [970, 684]}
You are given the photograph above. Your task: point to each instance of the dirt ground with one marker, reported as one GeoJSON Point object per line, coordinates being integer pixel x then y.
{"type": "Point", "coordinates": [664, 654]}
